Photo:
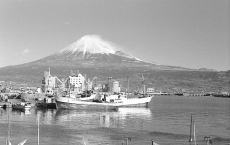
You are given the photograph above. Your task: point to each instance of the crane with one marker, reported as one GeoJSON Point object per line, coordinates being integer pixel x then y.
{"type": "Point", "coordinates": [62, 82]}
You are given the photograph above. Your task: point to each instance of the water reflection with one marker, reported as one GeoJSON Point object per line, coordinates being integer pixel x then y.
{"type": "Point", "coordinates": [168, 119]}
{"type": "Point", "coordinates": [141, 112]}
{"type": "Point", "coordinates": [109, 119]}
{"type": "Point", "coordinates": [12, 113]}
{"type": "Point", "coordinates": [46, 116]}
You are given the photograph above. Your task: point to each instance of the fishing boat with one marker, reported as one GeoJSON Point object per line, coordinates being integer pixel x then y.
{"type": "Point", "coordinates": [46, 103]}
{"type": "Point", "coordinates": [21, 106]}
{"type": "Point", "coordinates": [101, 101]}
{"type": "Point", "coordinates": [6, 105]}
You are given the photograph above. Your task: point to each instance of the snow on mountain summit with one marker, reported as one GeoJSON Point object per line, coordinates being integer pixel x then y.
{"type": "Point", "coordinates": [91, 44]}
{"type": "Point", "coordinates": [94, 44]}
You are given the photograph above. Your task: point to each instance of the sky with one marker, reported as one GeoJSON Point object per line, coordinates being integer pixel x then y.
{"type": "Point", "coordinates": [186, 33]}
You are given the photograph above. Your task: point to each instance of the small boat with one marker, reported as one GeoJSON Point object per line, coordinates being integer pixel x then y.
{"type": "Point", "coordinates": [47, 103]}
{"type": "Point", "coordinates": [4, 106]}
{"type": "Point", "coordinates": [44, 105]}
{"type": "Point", "coordinates": [21, 106]}
{"type": "Point", "coordinates": [109, 102]}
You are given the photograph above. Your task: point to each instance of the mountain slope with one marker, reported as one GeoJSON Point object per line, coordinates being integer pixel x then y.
{"type": "Point", "coordinates": [92, 51]}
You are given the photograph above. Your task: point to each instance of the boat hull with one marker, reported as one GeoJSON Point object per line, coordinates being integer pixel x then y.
{"type": "Point", "coordinates": [20, 108]}
{"type": "Point", "coordinates": [43, 105]}
{"type": "Point", "coordinates": [64, 105]}
{"type": "Point", "coordinates": [70, 103]}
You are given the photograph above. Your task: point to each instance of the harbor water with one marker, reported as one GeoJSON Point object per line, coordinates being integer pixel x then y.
{"type": "Point", "coordinates": [166, 121]}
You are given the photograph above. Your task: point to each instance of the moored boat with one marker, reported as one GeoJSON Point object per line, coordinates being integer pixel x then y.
{"type": "Point", "coordinates": [105, 102]}
{"type": "Point", "coordinates": [21, 106]}
{"type": "Point", "coordinates": [46, 103]}
{"type": "Point", "coordinates": [6, 105]}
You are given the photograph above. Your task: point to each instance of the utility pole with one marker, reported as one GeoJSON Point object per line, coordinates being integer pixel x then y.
{"type": "Point", "coordinates": [191, 128]}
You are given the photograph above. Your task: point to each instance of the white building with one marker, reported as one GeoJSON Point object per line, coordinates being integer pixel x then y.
{"type": "Point", "coordinates": [116, 87]}
{"type": "Point", "coordinates": [39, 90]}
{"type": "Point", "coordinates": [77, 82]}
{"type": "Point", "coordinates": [150, 91]}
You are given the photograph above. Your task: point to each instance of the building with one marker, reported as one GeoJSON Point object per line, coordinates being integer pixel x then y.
{"type": "Point", "coordinates": [150, 91]}
{"type": "Point", "coordinates": [76, 83]}
{"type": "Point", "coordinates": [39, 90]}
{"type": "Point", "coordinates": [116, 87]}
{"type": "Point", "coordinates": [77, 80]}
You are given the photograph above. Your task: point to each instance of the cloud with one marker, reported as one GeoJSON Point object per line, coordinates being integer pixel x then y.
{"type": "Point", "coordinates": [25, 51]}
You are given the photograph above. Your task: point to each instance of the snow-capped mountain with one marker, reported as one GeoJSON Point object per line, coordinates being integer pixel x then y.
{"type": "Point", "coordinates": [91, 51]}
{"type": "Point", "coordinates": [91, 55]}
{"type": "Point", "coordinates": [89, 45]}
